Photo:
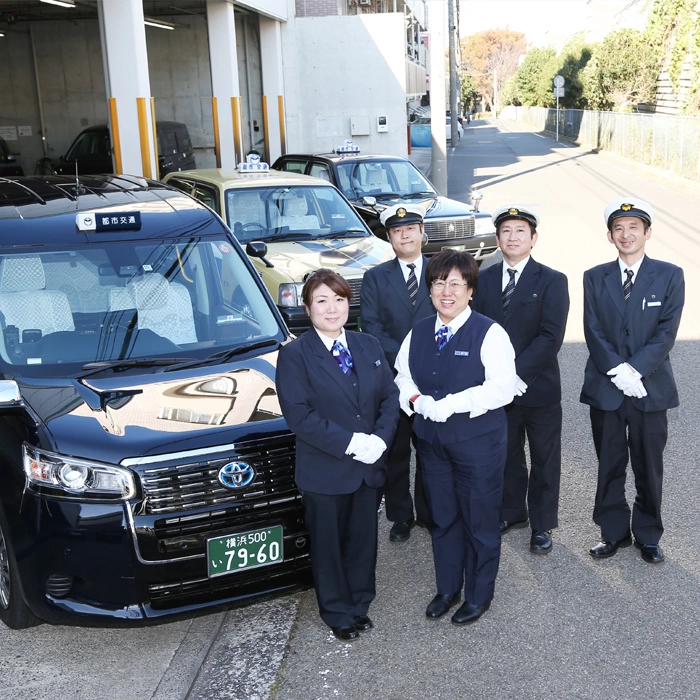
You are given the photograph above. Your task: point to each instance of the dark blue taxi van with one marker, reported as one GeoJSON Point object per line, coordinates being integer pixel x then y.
{"type": "Point", "coordinates": [145, 467]}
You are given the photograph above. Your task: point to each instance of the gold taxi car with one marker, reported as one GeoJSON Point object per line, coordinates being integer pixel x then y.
{"type": "Point", "coordinates": [290, 225]}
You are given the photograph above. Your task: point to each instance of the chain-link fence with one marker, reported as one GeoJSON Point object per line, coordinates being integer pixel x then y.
{"type": "Point", "coordinates": [661, 140]}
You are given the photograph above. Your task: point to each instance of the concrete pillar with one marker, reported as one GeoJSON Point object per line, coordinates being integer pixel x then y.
{"type": "Point", "coordinates": [224, 82]}
{"type": "Point", "coordinates": [128, 86]}
{"type": "Point", "coordinates": [273, 87]}
{"type": "Point", "coordinates": [438, 123]}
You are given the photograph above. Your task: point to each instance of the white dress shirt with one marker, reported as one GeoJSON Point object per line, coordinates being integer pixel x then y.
{"type": "Point", "coordinates": [518, 267]}
{"type": "Point", "coordinates": [634, 268]}
{"type": "Point", "coordinates": [497, 356]}
{"type": "Point", "coordinates": [328, 342]}
{"type": "Point", "coordinates": [418, 262]}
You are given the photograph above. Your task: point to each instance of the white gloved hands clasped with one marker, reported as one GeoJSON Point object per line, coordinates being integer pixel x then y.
{"type": "Point", "coordinates": [628, 380]}
{"type": "Point", "coordinates": [520, 386]}
{"type": "Point", "coordinates": [365, 448]}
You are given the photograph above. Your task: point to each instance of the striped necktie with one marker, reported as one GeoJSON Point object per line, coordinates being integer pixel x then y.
{"type": "Point", "coordinates": [509, 288]}
{"type": "Point", "coordinates": [412, 283]}
{"type": "Point", "coordinates": [343, 357]}
{"type": "Point", "coordinates": [627, 286]}
{"type": "Point", "coordinates": [442, 337]}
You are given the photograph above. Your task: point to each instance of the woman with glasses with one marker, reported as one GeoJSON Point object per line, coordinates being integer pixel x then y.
{"type": "Point", "coordinates": [338, 396]}
{"type": "Point", "coordinates": [456, 371]}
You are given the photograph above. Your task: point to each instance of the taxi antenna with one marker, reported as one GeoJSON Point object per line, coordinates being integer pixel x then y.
{"type": "Point", "coordinates": [79, 189]}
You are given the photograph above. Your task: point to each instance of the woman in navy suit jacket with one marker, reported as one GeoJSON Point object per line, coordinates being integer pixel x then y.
{"type": "Point", "coordinates": [338, 396]}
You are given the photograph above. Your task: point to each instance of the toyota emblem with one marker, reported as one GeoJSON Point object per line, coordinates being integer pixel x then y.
{"type": "Point", "coordinates": [236, 475]}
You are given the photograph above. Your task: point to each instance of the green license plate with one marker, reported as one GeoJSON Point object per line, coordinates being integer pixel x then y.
{"type": "Point", "coordinates": [453, 247]}
{"type": "Point", "coordinates": [244, 550]}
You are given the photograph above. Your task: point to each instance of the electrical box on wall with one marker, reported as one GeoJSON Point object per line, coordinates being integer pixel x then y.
{"type": "Point", "coordinates": [382, 124]}
{"type": "Point", "coordinates": [359, 126]}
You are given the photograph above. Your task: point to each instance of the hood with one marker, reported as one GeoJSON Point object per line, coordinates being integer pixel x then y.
{"type": "Point", "coordinates": [437, 207]}
{"type": "Point", "coordinates": [110, 418]}
{"type": "Point", "coordinates": [349, 257]}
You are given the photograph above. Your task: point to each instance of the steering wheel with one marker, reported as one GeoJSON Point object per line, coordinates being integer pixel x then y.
{"type": "Point", "coordinates": [253, 225]}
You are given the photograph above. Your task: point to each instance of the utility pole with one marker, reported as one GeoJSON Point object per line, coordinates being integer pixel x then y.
{"type": "Point", "coordinates": [453, 72]}
{"type": "Point", "coordinates": [438, 123]}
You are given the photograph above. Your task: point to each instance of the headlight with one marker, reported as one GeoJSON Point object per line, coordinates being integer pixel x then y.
{"type": "Point", "coordinates": [290, 295]}
{"type": "Point", "coordinates": [77, 477]}
{"type": "Point", "coordinates": [483, 226]}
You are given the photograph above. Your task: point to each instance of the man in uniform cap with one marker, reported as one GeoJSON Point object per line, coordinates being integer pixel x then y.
{"type": "Point", "coordinates": [531, 301]}
{"type": "Point", "coordinates": [632, 310]}
{"type": "Point", "coordinates": [394, 296]}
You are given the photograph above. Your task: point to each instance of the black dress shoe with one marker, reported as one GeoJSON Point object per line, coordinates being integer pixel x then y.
{"type": "Point", "coordinates": [651, 553]}
{"type": "Point", "coordinates": [541, 542]}
{"type": "Point", "coordinates": [468, 612]}
{"type": "Point", "coordinates": [423, 524]}
{"type": "Point", "coordinates": [345, 633]}
{"type": "Point", "coordinates": [440, 604]}
{"type": "Point", "coordinates": [363, 623]}
{"type": "Point", "coordinates": [606, 548]}
{"type": "Point", "coordinates": [511, 524]}
{"type": "Point", "coordinates": [401, 531]}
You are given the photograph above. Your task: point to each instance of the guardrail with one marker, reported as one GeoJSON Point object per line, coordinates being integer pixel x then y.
{"type": "Point", "coordinates": [665, 141]}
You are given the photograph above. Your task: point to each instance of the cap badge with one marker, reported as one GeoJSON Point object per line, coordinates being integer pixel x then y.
{"type": "Point", "coordinates": [513, 211]}
{"type": "Point", "coordinates": [626, 207]}
{"type": "Point", "coordinates": [401, 212]}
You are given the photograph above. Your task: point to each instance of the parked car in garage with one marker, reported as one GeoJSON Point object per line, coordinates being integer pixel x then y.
{"type": "Point", "coordinates": [9, 167]}
{"type": "Point", "coordinates": [146, 467]}
{"type": "Point", "coordinates": [291, 225]}
{"type": "Point", "coordinates": [92, 150]}
{"type": "Point", "coordinates": [374, 182]}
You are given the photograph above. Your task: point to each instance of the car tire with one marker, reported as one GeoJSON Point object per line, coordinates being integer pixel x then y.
{"type": "Point", "coordinates": [13, 610]}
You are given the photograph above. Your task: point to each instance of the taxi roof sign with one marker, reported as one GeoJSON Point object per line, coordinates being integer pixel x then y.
{"type": "Point", "coordinates": [252, 164]}
{"type": "Point", "coordinates": [108, 221]}
{"type": "Point", "coordinates": [349, 146]}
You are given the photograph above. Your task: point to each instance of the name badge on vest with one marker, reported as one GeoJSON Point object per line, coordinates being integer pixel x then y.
{"type": "Point", "coordinates": [462, 353]}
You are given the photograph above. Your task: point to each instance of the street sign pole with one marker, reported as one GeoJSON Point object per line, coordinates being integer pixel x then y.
{"type": "Point", "coordinates": [557, 115]}
{"type": "Point", "coordinates": [559, 92]}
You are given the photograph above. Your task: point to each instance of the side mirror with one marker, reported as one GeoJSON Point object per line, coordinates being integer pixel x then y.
{"type": "Point", "coordinates": [258, 249]}
{"type": "Point", "coordinates": [369, 201]}
{"type": "Point", "coordinates": [9, 394]}
{"type": "Point", "coordinates": [476, 198]}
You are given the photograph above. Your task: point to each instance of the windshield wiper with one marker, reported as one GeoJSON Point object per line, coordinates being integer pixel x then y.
{"type": "Point", "coordinates": [287, 234]}
{"type": "Point", "coordinates": [420, 194]}
{"type": "Point", "coordinates": [224, 355]}
{"type": "Point", "coordinates": [349, 233]}
{"type": "Point", "coordinates": [386, 195]}
{"type": "Point", "coordinates": [124, 364]}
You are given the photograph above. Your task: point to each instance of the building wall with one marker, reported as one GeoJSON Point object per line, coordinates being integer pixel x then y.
{"type": "Point", "coordinates": [342, 67]}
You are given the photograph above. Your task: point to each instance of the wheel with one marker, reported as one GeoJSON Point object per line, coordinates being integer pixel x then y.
{"type": "Point", "coordinates": [13, 610]}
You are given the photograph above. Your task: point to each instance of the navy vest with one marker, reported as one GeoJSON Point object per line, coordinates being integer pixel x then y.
{"type": "Point", "coordinates": [456, 367]}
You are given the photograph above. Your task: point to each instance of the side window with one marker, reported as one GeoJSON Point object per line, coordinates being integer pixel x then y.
{"type": "Point", "coordinates": [320, 170]}
{"type": "Point", "coordinates": [294, 166]}
{"type": "Point", "coordinates": [207, 195]}
{"type": "Point", "coordinates": [167, 145]}
{"type": "Point", "coordinates": [183, 185]}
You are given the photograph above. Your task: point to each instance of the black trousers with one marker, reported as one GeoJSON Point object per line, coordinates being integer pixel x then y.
{"type": "Point", "coordinates": [535, 494]}
{"type": "Point", "coordinates": [629, 434]}
{"type": "Point", "coordinates": [464, 488]}
{"type": "Point", "coordinates": [397, 490]}
{"type": "Point", "coordinates": [343, 532]}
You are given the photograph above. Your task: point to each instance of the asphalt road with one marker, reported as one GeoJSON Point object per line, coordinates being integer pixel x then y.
{"type": "Point", "coordinates": [560, 626]}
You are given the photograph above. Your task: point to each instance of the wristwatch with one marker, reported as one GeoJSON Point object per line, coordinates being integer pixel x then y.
{"type": "Point", "coordinates": [412, 402]}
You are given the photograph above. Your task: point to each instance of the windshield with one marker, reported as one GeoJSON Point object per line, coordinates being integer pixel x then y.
{"type": "Point", "coordinates": [376, 178]}
{"type": "Point", "coordinates": [289, 213]}
{"type": "Point", "coordinates": [181, 299]}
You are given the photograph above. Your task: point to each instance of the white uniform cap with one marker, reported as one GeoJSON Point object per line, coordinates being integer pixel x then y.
{"type": "Point", "coordinates": [402, 215]}
{"type": "Point", "coordinates": [515, 211]}
{"type": "Point", "coordinates": [628, 206]}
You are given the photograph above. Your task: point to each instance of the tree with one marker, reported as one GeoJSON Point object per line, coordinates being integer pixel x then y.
{"type": "Point", "coordinates": [490, 58]}
{"type": "Point", "coordinates": [531, 83]}
{"type": "Point", "coordinates": [468, 94]}
{"type": "Point", "coordinates": [622, 72]}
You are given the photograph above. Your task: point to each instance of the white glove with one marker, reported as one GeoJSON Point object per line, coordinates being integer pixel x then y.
{"type": "Point", "coordinates": [442, 410]}
{"type": "Point", "coordinates": [355, 442]}
{"type": "Point", "coordinates": [372, 450]}
{"type": "Point", "coordinates": [623, 376]}
{"type": "Point", "coordinates": [637, 390]}
{"type": "Point", "coordinates": [521, 387]}
{"type": "Point", "coordinates": [423, 405]}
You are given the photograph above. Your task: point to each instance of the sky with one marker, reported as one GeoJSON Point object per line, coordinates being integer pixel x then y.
{"type": "Point", "coordinates": [547, 22]}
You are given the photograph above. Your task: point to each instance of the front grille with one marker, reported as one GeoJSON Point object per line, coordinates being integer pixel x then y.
{"type": "Point", "coordinates": [180, 487]}
{"type": "Point", "coordinates": [443, 229]}
{"type": "Point", "coordinates": [355, 287]}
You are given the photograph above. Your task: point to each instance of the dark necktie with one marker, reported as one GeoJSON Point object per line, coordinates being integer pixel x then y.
{"type": "Point", "coordinates": [443, 336]}
{"type": "Point", "coordinates": [627, 286]}
{"type": "Point", "coordinates": [412, 283]}
{"type": "Point", "coordinates": [342, 357]}
{"type": "Point", "coordinates": [509, 288]}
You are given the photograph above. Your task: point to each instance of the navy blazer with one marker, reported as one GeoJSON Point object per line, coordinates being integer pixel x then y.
{"type": "Point", "coordinates": [640, 331]}
{"type": "Point", "coordinates": [535, 321]}
{"type": "Point", "coordinates": [323, 409]}
{"type": "Point", "coordinates": [385, 307]}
